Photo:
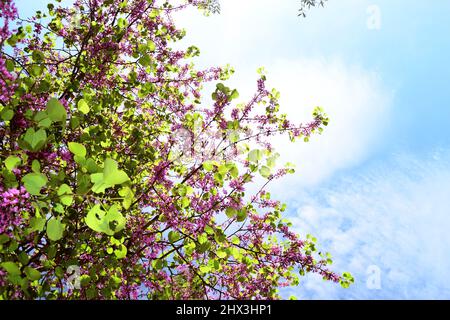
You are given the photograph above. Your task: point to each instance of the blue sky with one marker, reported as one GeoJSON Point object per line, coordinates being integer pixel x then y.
{"type": "Point", "coordinates": [374, 187]}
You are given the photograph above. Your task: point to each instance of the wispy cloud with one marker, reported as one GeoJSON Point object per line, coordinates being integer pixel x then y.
{"type": "Point", "coordinates": [357, 102]}
{"type": "Point", "coordinates": [393, 215]}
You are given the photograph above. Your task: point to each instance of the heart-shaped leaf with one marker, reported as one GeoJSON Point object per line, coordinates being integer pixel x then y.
{"type": "Point", "coordinates": [55, 229]}
{"type": "Point", "coordinates": [34, 182]}
{"type": "Point", "coordinates": [106, 222]}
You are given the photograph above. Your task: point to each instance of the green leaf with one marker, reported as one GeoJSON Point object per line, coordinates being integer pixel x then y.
{"type": "Point", "coordinates": [218, 178]}
{"type": "Point", "coordinates": [3, 238]}
{"type": "Point", "coordinates": [221, 254]}
{"type": "Point", "coordinates": [128, 197]}
{"type": "Point", "coordinates": [223, 169]}
{"type": "Point", "coordinates": [37, 224]}
{"type": "Point", "coordinates": [37, 56]}
{"type": "Point", "coordinates": [221, 87]}
{"type": "Point", "coordinates": [230, 212]}
{"type": "Point", "coordinates": [203, 238]}
{"type": "Point", "coordinates": [158, 264]}
{"type": "Point", "coordinates": [205, 269]}
{"type": "Point", "coordinates": [235, 252]}
{"type": "Point", "coordinates": [23, 258]}
{"type": "Point", "coordinates": [233, 170]}
{"type": "Point", "coordinates": [99, 184]}
{"type": "Point", "coordinates": [56, 110]}
{"type": "Point", "coordinates": [10, 65]}
{"type": "Point", "coordinates": [255, 155]}
{"type": "Point", "coordinates": [106, 222]}
{"type": "Point", "coordinates": [35, 139]}
{"type": "Point", "coordinates": [32, 273]}
{"type": "Point", "coordinates": [234, 94]}
{"type": "Point", "coordinates": [11, 268]}
{"type": "Point", "coordinates": [265, 171]}
{"type": "Point", "coordinates": [185, 202]}
{"type": "Point", "coordinates": [36, 166]}
{"type": "Point", "coordinates": [34, 182]}
{"type": "Point", "coordinates": [40, 115]}
{"type": "Point", "coordinates": [145, 60]}
{"type": "Point", "coordinates": [83, 106]}
{"type": "Point", "coordinates": [77, 149]}
{"type": "Point", "coordinates": [241, 215]}
{"type": "Point", "coordinates": [12, 41]}
{"type": "Point", "coordinates": [55, 229]}
{"type": "Point", "coordinates": [151, 46]}
{"type": "Point", "coordinates": [84, 280]}
{"type": "Point", "coordinates": [121, 252]}
{"type": "Point", "coordinates": [91, 166]}
{"type": "Point", "coordinates": [45, 123]}
{"type": "Point", "coordinates": [114, 219]}
{"type": "Point", "coordinates": [65, 195]}
{"type": "Point", "coordinates": [7, 114]}
{"type": "Point", "coordinates": [58, 208]}
{"type": "Point", "coordinates": [174, 236]}
{"type": "Point", "coordinates": [235, 240]}
{"type": "Point", "coordinates": [122, 23]}
{"type": "Point", "coordinates": [44, 86]}
{"type": "Point", "coordinates": [181, 190]}
{"type": "Point", "coordinates": [37, 70]}
{"type": "Point", "coordinates": [209, 230]}
{"type": "Point", "coordinates": [83, 183]}
{"type": "Point", "coordinates": [203, 247]}
{"type": "Point", "coordinates": [64, 189]}
{"type": "Point", "coordinates": [112, 175]}
{"type": "Point", "coordinates": [43, 119]}
{"type": "Point", "coordinates": [12, 162]}
{"type": "Point", "coordinates": [80, 160]}
{"type": "Point", "coordinates": [66, 200]}
{"type": "Point", "coordinates": [234, 136]}
{"type": "Point", "coordinates": [94, 218]}
{"type": "Point", "coordinates": [74, 122]}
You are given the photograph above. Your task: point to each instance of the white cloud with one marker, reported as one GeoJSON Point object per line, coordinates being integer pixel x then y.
{"type": "Point", "coordinates": [394, 215]}
{"type": "Point", "coordinates": [355, 100]}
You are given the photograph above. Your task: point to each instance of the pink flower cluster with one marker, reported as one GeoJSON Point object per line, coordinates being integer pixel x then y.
{"type": "Point", "coordinates": [8, 12]}
{"type": "Point", "coordinates": [12, 203]}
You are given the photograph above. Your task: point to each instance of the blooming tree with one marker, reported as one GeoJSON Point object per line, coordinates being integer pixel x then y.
{"type": "Point", "coordinates": [119, 180]}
